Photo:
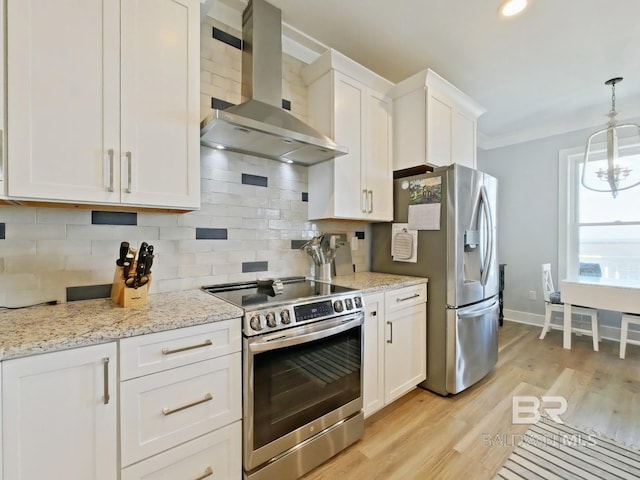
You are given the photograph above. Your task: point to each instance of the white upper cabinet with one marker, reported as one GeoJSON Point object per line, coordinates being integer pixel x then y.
{"type": "Point", "coordinates": [348, 103]}
{"type": "Point", "coordinates": [434, 123]}
{"type": "Point", "coordinates": [103, 102]}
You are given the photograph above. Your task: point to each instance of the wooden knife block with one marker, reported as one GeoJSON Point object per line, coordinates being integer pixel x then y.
{"type": "Point", "coordinates": [126, 296]}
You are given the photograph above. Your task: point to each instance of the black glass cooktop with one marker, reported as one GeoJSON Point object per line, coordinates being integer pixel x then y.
{"type": "Point", "coordinates": [294, 289]}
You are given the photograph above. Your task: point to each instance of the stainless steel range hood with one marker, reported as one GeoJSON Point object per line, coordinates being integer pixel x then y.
{"type": "Point", "coordinates": [260, 126]}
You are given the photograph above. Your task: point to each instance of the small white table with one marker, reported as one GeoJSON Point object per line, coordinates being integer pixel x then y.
{"type": "Point", "coordinates": [596, 292]}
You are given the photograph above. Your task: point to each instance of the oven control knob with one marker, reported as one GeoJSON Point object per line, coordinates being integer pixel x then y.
{"type": "Point", "coordinates": [255, 323]}
{"type": "Point", "coordinates": [284, 317]}
{"type": "Point", "coordinates": [337, 306]}
{"type": "Point", "coordinates": [348, 303]}
{"type": "Point", "coordinates": [358, 302]}
{"type": "Point", "coordinates": [271, 319]}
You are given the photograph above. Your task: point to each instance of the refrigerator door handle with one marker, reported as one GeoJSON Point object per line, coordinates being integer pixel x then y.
{"type": "Point", "coordinates": [479, 313]}
{"type": "Point", "coordinates": [488, 247]}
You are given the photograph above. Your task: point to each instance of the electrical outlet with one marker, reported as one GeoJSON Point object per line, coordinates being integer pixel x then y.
{"type": "Point", "coordinates": [532, 295]}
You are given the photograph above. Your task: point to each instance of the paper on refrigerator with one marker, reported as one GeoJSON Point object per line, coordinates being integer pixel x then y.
{"type": "Point", "coordinates": [425, 198]}
{"type": "Point", "coordinates": [404, 243]}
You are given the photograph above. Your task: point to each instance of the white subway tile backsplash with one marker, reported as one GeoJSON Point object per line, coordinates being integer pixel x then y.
{"type": "Point", "coordinates": [63, 216]}
{"type": "Point", "coordinates": [17, 247]}
{"type": "Point", "coordinates": [35, 232]}
{"type": "Point", "coordinates": [34, 263]}
{"type": "Point", "coordinates": [14, 214]}
{"type": "Point", "coordinates": [64, 247]}
{"type": "Point", "coordinates": [13, 282]}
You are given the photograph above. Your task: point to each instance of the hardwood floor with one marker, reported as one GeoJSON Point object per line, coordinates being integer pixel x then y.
{"type": "Point", "coordinates": [470, 435]}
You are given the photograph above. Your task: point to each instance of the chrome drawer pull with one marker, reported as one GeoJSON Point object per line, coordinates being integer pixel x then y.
{"type": "Point", "coordinates": [168, 411]}
{"type": "Point", "coordinates": [390, 332]}
{"type": "Point", "coordinates": [415, 295]}
{"type": "Point", "coordinates": [168, 351]}
{"type": "Point", "coordinates": [207, 473]}
{"type": "Point", "coordinates": [105, 366]}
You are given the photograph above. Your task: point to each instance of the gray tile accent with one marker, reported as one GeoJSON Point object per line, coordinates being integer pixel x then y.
{"type": "Point", "coordinates": [2, 231]}
{"type": "Point", "coordinates": [220, 104]}
{"type": "Point", "coordinates": [255, 267]}
{"type": "Point", "coordinates": [88, 292]}
{"type": "Point", "coordinates": [211, 233]}
{"type": "Point", "coordinates": [297, 244]}
{"type": "Point", "coordinates": [305, 196]}
{"type": "Point", "coordinates": [257, 180]}
{"type": "Point", "coordinates": [114, 218]}
{"type": "Point", "coordinates": [360, 235]}
{"type": "Point", "coordinates": [227, 38]}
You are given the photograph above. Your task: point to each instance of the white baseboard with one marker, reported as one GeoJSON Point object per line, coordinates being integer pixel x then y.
{"type": "Point", "coordinates": [607, 332]}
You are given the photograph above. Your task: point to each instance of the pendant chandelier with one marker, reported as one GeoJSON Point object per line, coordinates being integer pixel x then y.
{"type": "Point", "coordinates": [604, 169]}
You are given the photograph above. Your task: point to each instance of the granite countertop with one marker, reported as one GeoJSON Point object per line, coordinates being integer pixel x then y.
{"type": "Point", "coordinates": [49, 328]}
{"type": "Point", "coordinates": [371, 282]}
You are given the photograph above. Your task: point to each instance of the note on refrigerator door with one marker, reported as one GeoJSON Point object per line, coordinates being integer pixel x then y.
{"type": "Point", "coordinates": [425, 197]}
{"type": "Point", "coordinates": [404, 243]}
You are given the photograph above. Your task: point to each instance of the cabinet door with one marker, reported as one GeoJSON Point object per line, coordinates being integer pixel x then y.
{"type": "Point", "coordinates": [464, 139]}
{"type": "Point", "coordinates": [373, 362]}
{"type": "Point", "coordinates": [349, 113]}
{"type": "Point", "coordinates": [377, 161]}
{"type": "Point", "coordinates": [440, 115]}
{"type": "Point", "coordinates": [63, 99]}
{"type": "Point", "coordinates": [405, 350]}
{"type": "Point", "coordinates": [160, 152]}
{"type": "Point", "coordinates": [59, 415]}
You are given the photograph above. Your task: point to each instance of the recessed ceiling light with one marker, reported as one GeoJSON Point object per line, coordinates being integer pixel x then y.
{"type": "Point", "coordinates": [512, 7]}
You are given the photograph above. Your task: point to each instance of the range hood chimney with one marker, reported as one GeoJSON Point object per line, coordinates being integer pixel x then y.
{"type": "Point", "coordinates": [260, 126]}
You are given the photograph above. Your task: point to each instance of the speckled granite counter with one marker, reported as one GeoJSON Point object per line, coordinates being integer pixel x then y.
{"type": "Point", "coordinates": [48, 328]}
{"type": "Point", "coordinates": [371, 282]}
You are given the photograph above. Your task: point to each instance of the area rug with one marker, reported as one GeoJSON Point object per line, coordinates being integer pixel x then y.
{"type": "Point", "coordinates": [549, 450]}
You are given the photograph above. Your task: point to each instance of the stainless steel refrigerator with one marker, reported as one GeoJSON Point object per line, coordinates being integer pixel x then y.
{"type": "Point", "coordinates": [457, 253]}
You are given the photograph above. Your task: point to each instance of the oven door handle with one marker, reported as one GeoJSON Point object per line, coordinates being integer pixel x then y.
{"type": "Point", "coordinates": [287, 338]}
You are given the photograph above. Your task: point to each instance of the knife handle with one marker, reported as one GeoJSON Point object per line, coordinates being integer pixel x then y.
{"type": "Point", "coordinates": [122, 257]}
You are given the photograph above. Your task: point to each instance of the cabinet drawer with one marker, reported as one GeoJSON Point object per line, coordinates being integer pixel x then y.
{"type": "Point", "coordinates": [162, 410]}
{"type": "Point", "coordinates": [160, 351]}
{"type": "Point", "coordinates": [405, 297]}
{"type": "Point", "coordinates": [216, 455]}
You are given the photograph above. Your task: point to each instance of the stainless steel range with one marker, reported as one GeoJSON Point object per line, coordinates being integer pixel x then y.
{"type": "Point", "coordinates": [302, 373]}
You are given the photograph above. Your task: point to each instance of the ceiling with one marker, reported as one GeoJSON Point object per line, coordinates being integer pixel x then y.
{"type": "Point", "coordinates": [537, 74]}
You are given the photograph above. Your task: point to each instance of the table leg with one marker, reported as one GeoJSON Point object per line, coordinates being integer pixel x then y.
{"type": "Point", "coordinates": [566, 335]}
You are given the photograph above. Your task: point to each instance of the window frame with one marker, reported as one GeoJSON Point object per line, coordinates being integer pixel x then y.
{"type": "Point", "coordinates": [568, 225]}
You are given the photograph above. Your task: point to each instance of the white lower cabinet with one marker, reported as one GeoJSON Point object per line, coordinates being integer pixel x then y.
{"type": "Point", "coordinates": [183, 419]}
{"type": "Point", "coordinates": [60, 415]}
{"type": "Point", "coordinates": [216, 455]}
{"type": "Point", "coordinates": [395, 345]}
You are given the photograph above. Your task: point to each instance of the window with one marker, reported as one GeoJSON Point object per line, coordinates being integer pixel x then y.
{"type": "Point", "coordinates": [599, 234]}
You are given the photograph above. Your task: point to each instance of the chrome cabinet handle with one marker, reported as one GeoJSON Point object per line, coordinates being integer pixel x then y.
{"type": "Point", "coordinates": [415, 295]}
{"type": "Point", "coordinates": [128, 155]}
{"type": "Point", "coordinates": [110, 154]}
{"type": "Point", "coordinates": [167, 351]}
{"type": "Point", "coordinates": [207, 473]}
{"type": "Point", "coordinates": [363, 201]}
{"type": "Point", "coordinates": [105, 366]}
{"type": "Point", "coordinates": [390, 332]}
{"type": "Point", "coordinates": [370, 201]}
{"type": "Point", "coordinates": [170, 411]}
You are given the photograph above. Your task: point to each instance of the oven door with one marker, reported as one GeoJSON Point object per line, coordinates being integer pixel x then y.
{"type": "Point", "coordinates": [299, 382]}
